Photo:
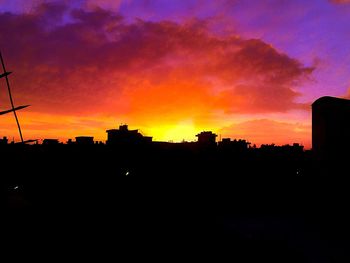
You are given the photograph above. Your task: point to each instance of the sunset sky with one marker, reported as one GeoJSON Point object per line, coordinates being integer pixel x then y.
{"type": "Point", "coordinates": [241, 68]}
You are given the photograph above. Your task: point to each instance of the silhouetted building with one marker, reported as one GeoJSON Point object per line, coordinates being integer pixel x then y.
{"type": "Point", "coordinates": [4, 141]}
{"type": "Point", "coordinates": [206, 139]}
{"type": "Point", "coordinates": [124, 136]}
{"type": "Point", "coordinates": [84, 140]}
{"type": "Point", "coordinates": [330, 127]}
{"type": "Point", "coordinates": [226, 144]}
{"type": "Point", "coordinates": [50, 142]}
{"type": "Point", "coordinates": [297, 147]}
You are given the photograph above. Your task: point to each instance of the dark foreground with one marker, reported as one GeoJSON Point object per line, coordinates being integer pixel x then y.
{"type": "Point", "coordinates": [173, 205]}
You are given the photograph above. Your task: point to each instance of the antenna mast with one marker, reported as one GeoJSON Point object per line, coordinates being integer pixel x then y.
{"type": "Point", "coordinates": [5, 74]}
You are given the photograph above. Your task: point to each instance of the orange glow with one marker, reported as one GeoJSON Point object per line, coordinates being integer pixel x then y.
{"type": "Point", "coordinates": [182, 131]}
{"type": "Point", "coordinates": [64, 127]}
{"type": "Point", "coordinates": [170, 80]}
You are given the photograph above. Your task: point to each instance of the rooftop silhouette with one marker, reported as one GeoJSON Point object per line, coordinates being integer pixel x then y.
{"type": "Point", "coordinates": [205, 190]}
{"type": "Point", "coordinates": [330, 127]}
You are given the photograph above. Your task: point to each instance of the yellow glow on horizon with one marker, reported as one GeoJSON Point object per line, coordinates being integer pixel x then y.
{"type": "Point", "coordinates": [183, 131]}
{"type": "Point", "coordinates": [63, 127]}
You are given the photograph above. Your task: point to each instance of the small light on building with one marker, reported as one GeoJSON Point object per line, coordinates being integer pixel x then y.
{"type": "Point", "coordinates": [16, 187]}
{"type": "Point", "coordinates": [127, 173]}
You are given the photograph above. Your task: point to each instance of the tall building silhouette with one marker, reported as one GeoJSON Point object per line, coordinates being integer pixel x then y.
{"type": "Point", "coordinates": [330, 127]}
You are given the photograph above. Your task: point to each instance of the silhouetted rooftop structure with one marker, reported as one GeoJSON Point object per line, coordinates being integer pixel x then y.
{"type": "Point", "coordinates": [3, 141]}
{"type": "Point", "coordinates": [124, 136]}
{"type": "Point", "coordinates": [206, 137]}
{"type": "Point", "coordinates": [227, 144]}
{"type": "Point", "coordinates": [330, 126]}
{"type": "Point", "coordinates": [84, 140]}
{"type": "Point", "coordinates": [50, 142]}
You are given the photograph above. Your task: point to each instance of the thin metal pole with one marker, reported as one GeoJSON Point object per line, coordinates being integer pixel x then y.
{"type": "Point", "coordinates": [11, 100]}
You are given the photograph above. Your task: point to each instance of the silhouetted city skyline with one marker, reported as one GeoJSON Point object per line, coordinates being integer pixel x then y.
{"type": "Point", "coordinates": [170, 130]}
